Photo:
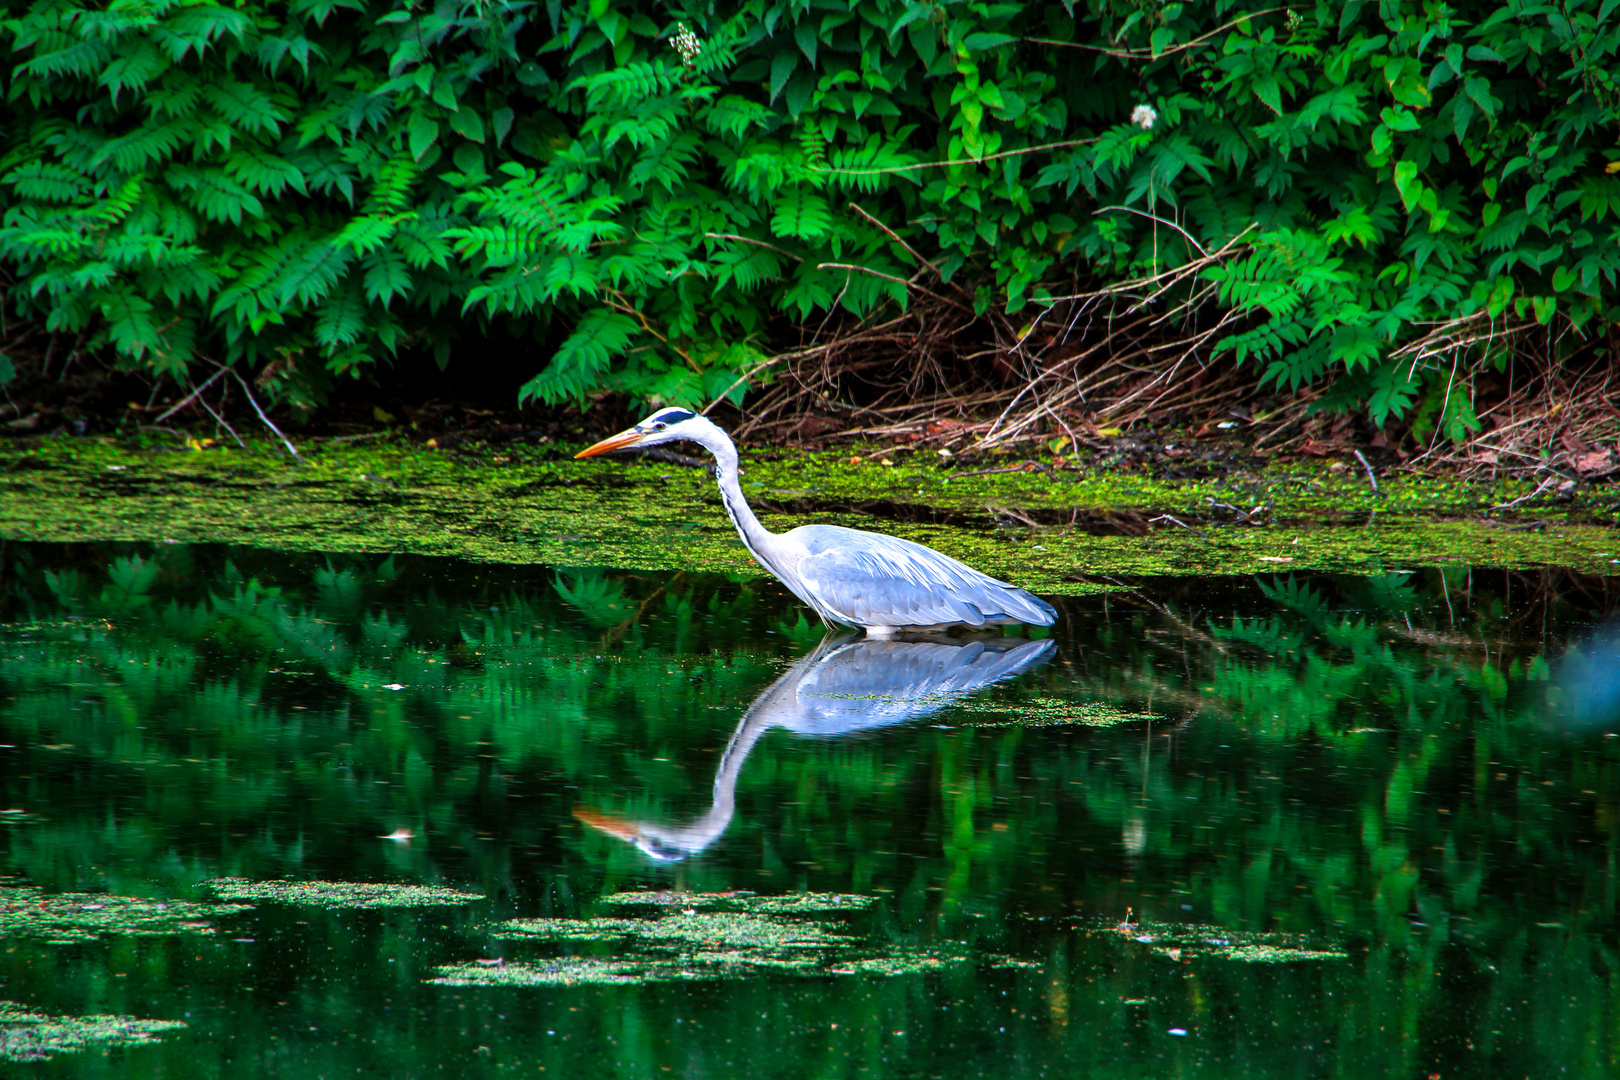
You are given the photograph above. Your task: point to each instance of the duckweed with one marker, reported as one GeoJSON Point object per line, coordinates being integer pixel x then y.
{"type": "Point", "coordinates": [705, 936]}
{"type": "Point", "coordinates": [531, 506]}
{"type": "Point", "coordinates": [791, 904]}
{"type": "Point", "coordinates": [338, 894]}
{"type": "Point", "coordinates": [26, 1035]}
{"type": "Point", "coordinates": [1052, 712]}
{"type": "Point", "coordinates": [65, 918]}
{"type": "Point", "coordinates": [1190, 941]}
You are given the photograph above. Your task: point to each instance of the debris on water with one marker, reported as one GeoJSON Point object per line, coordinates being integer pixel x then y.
{"type": "Point", "coordinates": [339, 894]}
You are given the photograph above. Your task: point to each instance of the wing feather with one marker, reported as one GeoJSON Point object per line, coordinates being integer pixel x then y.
{"type": "Point", "coordinates": [868, 579]}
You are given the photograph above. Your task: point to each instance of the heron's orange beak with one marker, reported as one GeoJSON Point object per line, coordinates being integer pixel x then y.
{"type": "Point", "coordinates": [613, 442]}
{"type": "Point", "coordinates": [613, 826]}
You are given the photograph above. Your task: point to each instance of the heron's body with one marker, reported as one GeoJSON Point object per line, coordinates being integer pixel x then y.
{"type": "Point", "coordinates": [880, 583]}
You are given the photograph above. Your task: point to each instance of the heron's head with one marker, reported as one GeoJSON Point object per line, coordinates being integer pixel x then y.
{"type": "Point", "coordinates": [665, 425]}
{"type": "Point", "coordinates": [654, 842]}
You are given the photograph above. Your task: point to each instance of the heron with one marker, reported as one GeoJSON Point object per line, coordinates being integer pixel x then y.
{"type": "Point", "coordinates": [881, 584]}
{"type": "Point", "coordinates": [843, 687]}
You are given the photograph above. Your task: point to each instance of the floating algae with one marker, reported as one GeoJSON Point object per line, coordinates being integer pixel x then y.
{"type": "Point", "coordinates": [572, 971]}
{"type": "Point", "coordinates": [789, 904]}
{"type": "Point", "coordinates": [65, 918]}
{"type": "Point", "coordinates": [1189, 941]}
{"type": "Point", "coordinates": [720, 930]}
{"type": "Point", "coordinates": [703, 936]}
{"type": "Point", "coordinates": [30, 1036]}
{"type": "Point", "coordinates": [1053, 712]}
{"type": "Point", "coordinates": [338, 894]}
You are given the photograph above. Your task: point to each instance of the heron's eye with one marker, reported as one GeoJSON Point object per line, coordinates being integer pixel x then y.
{"type": "Point", "coordinates": [658, 426]}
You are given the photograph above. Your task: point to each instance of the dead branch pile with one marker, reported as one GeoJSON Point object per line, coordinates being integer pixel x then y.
{"type": "Point", "coordinates": [1141, 352]}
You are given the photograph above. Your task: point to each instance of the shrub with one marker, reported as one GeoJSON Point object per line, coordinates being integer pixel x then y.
{"type": "Point", "coordinates": [304, 188]}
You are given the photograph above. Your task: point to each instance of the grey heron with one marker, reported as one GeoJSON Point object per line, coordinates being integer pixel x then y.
{"type": "Point", "coordinates": [842, 687]}
{"type": "Point", "coordinates": [882, 584]}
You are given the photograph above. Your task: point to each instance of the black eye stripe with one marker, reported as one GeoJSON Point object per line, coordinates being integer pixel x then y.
{"type": "Point", "coordinates": [672, 416]}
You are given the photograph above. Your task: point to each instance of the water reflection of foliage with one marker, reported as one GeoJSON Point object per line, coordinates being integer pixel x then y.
{"type": "Point", "coordinates": [358, 689]}
{"type": "Point", "coordinates": [1370, 755]}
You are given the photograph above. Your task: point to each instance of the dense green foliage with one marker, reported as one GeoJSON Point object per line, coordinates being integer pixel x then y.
{"type": "Point", "coordinates": [305, 188]}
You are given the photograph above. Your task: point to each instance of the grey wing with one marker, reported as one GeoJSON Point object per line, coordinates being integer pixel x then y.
{"type": "Point", "coordinates": [868, 579]}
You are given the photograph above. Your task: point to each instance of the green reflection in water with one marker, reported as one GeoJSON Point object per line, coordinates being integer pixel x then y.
{"type": "Point", "coordinates": [1414, 769]}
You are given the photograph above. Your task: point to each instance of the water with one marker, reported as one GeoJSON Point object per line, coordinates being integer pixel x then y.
{"type": "Point", "coordinates": [1290, 826]}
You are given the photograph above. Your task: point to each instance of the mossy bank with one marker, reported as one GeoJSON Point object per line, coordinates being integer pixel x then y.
{"type": "Point", "coordinates": [1059, 532]}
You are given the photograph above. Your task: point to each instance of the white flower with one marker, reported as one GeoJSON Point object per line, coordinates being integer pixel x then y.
{"type": "Point", "coordinates": [1143, 116]}
{"type": "Point", "coordinates": [687, 44]}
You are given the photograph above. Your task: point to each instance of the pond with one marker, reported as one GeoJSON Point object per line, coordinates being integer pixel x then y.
{"type": "Point", "coordinates": [311, 815]}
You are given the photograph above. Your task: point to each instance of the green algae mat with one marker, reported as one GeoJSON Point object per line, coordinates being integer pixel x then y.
{"type": "Point", "coordinates": [1058, 533]}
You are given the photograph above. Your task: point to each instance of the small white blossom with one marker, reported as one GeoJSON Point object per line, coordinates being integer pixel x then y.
{"type": "Point", "coordinates": [1143, 116]}
{"type": "Point", "coordinates": [687, 44]}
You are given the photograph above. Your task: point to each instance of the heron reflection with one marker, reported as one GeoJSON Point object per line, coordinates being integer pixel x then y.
{"type": "Point", "coordinates": [842, 687]}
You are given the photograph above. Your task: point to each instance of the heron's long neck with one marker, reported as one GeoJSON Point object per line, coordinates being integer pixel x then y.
{"type": "Point", "coordinates": [755, 536]}
{"type": "Point", "coordinates": [704, 830]}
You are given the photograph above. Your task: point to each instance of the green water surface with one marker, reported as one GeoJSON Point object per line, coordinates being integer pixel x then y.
{"type": "Point", "coordinates": [652, 823]}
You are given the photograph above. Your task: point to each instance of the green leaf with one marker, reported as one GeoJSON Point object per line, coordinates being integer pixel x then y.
{"type": "Point", "coordinates": [782, 65]}
{"type": "Point", "coordinates": [467, 124]}
{"type": "Point", "coordinates": [1266, 89]}
{"type": "Point", "coordinates": [982, 42]}
{"type": "Point", "coordinates": [501, 124]}
{"type": "Point", "coordinates": [424, 132]}
{"type": "Point", "coordinates": [805, 35]}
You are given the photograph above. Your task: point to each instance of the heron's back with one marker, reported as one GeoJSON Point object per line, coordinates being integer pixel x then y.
{"type": "Point", "coordinates": [869, 579]}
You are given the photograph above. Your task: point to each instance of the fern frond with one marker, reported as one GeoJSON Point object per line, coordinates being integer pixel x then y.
{"type": "Point", "coordinates": [734, 116]}
{"type": "Point", "coordinates": [47, 182]}
{"type": "Point", "coordinates": [246, 107]}
{"type": "Point", "coordinates": [340, 319]}
{"type": "Point", "coordinates": [135, 70]}
{"type": "Point", "coordinates": [387, 276]}
{"type": "Point", "coordinates": [599, 336]}
{"type": "Point", "coordinates": [211, 191]}
{"type": "Point", "coordinates": [264, 172]}
{"type": "Point", "coordinates": [801, 213]}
